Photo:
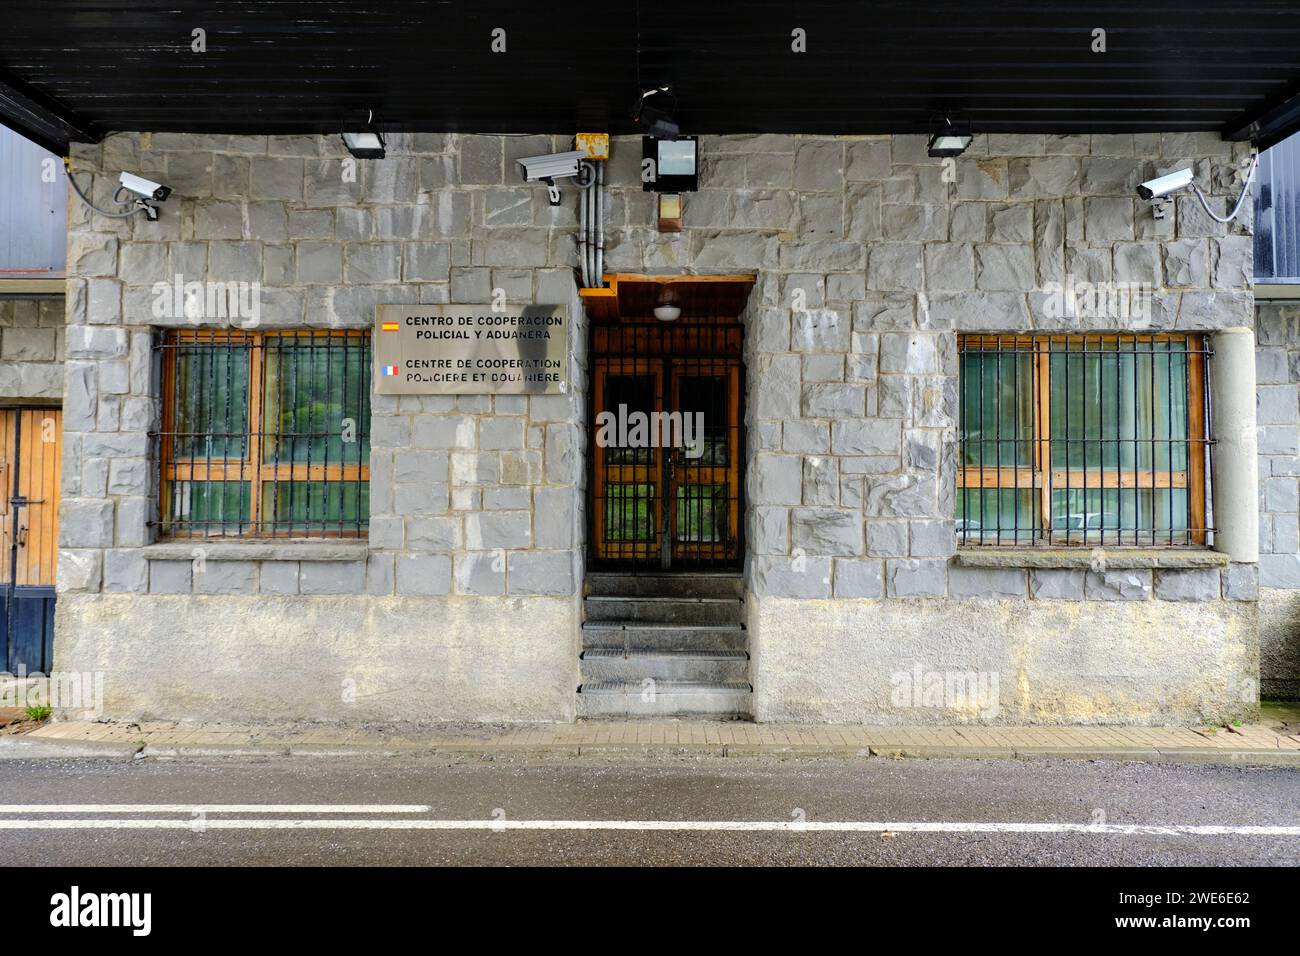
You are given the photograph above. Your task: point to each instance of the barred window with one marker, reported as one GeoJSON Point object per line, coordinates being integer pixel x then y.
{"type": "Point", "coordinates": [264, 434]}
{"type": "Point", "coordinates": [1083, 440]}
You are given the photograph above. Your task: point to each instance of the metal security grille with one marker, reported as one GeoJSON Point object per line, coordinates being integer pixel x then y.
{"type": "Point", "coordinates": [1090, 440]}
{"type": "Point", "coordinates": [665, 472]}
{"type": "Point", "coordinates": [264, 434]}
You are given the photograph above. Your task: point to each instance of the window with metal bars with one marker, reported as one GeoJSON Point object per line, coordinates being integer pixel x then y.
{"type": "Point", "coordinates": [1089, 440]}
{"type": "Point", "coordinates": [264, 434]}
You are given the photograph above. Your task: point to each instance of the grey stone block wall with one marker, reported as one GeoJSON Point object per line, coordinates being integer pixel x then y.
{"type": "Point", "coordinates": [1277, 370]}
{"type": "Point", "coordinates": [31, 349]}
{"type": "Point", "coordinates": [489, 484]}
{"type": "Point", "coordinates": [871, 257]}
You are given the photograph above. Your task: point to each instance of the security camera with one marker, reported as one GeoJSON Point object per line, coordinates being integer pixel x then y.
{"type": "Point", "coordinates": [1155, 191]}
{"type": "Point", "coordinates": [1162, 186]}
{"type": "Point", "coordinates": [146, 193]}
{"type": "Point", "coordinates": [145, 188]}
{"type": "Point", "coordinates": [551, 167]}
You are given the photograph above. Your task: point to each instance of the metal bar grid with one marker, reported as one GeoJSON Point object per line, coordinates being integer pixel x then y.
{"type": "Point", "coordinates": [666, 498]}
{"type": "Point", "coordinates": [1084, 440]}
{"type": "Point", "coordinates": [264, 434]}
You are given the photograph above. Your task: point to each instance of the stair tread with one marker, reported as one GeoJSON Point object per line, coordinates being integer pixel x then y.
{"type": "Point", "coordinates": [666, 575]}
{"type": "Point", "coordinates": [656, 626]}
{"type": "Point", "coordinates": [664, 687]}
{"type": "Point", "coordinates": [663, 599]}
{"type": "Point", "coordinates": [693, 653]}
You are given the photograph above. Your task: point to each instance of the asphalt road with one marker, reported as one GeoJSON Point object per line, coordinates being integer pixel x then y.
{"type": "Point", "coordinates": [818, 791]}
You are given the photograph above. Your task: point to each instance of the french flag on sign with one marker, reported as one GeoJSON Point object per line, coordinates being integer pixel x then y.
{"type": "Point", "coordinates": [390, 369]}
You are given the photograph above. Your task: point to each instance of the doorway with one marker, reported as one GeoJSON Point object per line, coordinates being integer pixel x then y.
{"type": "Point", "coordinates": [666, 445]}
{"type": "Point", "coordinates": [31, 441]}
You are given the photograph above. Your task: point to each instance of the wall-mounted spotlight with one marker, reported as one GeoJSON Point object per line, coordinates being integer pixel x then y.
{"type": "Point", "coordinates": [656, 119]}
{"type": "Point", "coordinates": [675, 163]}
{"type": "Point", "coordinates": [949, 140]}
{"type": "Point", "coordinates": [363, 139]}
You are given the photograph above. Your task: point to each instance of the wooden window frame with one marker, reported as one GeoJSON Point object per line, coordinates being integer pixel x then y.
{"type": "Point", "coordinates": [248, 469]}
{"type": "Point", "coordinates": [1043, 478]}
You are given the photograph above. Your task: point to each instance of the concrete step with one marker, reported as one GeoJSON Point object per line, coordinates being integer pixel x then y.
{"type": "Point", "coordinates": [709, 665]}
{"type": "Point", "coordinates": [708, 584]}
{"type": "Point", "coordinates": [663, 637]}
{"type": "Point", "coordinates": [664, 699]}
{"type": "Point", "coordinates": [665, 610]}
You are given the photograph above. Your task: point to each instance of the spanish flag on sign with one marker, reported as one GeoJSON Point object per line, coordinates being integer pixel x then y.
{"type": "Point", "coordinates": [389, 326]}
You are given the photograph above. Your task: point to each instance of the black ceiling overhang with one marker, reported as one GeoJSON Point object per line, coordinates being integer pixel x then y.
{"type": "Point", "coordinates": [73, 69]}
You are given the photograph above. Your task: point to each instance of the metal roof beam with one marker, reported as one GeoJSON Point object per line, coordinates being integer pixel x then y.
{"type": "Point", "coordinates": [1269, 123]}
{"type": "Point", "coordinates": [40, 118]}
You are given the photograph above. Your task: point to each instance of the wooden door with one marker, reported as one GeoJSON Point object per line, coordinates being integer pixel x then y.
{"type": "Point", "coordinates": [704, 472]}
{"type": "Point", "coordinates": [628, 517]}
{"type": "Point", "coordinates": [667, 496]}
{"type": "Point", "coordinates": [32, 442]}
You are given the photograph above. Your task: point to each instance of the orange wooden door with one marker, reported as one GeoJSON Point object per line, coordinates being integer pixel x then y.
{"type": "Point", "coordinates": [704, 485]}
{"type": "Point", "coordinates": [627, 517]}
{"type": "Point", "coordinates": [667, 505]}
{"type": "Point", "coordinates": [32, 439]}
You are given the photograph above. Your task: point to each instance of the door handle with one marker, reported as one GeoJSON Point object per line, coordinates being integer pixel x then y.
{"type": "Point", "coordinates": [22, 535]}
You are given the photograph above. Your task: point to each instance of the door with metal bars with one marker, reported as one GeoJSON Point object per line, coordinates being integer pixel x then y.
{"type": "Point", "coordinates": [31, 443]}
{"type": "Point", "coordinates": [665, 446]}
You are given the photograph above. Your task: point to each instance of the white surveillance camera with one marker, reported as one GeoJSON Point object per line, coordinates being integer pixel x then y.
{"type": "Point", "coordinates": [1162, 186]}
{"type": "Point", "coordinates": [144, 188]}
{"type": "Point", "coordinates": [551, 167]}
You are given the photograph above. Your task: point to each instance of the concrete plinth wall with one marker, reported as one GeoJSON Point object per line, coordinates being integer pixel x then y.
{"type": "Point", "coordinates": [1014, 661]}
{"type": "Point", "coordinates": [870, 258]}
{"type": "Point", "coordinates": [333, 658]}
{"type": "Point", "coordinates": [1278, 371]}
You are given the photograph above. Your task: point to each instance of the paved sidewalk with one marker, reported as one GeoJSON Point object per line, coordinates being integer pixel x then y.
{"type": "Point", "coordinates": [1254, 743]}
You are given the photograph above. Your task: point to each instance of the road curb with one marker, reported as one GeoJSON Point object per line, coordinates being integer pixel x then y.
{"type": "Point", "coordinates": [21, 748]}
{"type": "Point", "coordinates": [1128, 754]}
{"type": "Point", "coordinates": [1272, 758]}
{"type": "Point", "coordinates": [172, 751]}
{"type": "Point", "coordinates": [26, 748]}
{"type": "Point", "coordinates": [932, 751]}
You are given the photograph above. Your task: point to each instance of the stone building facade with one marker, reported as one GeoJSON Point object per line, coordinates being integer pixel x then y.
{"type": "Point", "coordinates": [1278, 374]}
{"type": "Point", "coordinates": [465, 601]}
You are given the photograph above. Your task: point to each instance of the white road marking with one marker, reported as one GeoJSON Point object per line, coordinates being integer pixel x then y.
{"type": "Point", "coordinates": [12, 808]}
{"type": "Point", "coordinates": [730, 826]}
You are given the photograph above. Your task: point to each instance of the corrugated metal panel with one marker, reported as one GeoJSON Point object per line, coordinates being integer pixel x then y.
{"type": "Point", "coordinates": [33, 209]}
{"type": "Point", "coordinates": [1277, 213]}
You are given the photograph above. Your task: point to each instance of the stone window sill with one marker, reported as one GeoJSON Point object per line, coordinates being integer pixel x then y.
{"type": "Point", "coordinates": [258, 550]}
{"type": "Point", "coordinates": [1116, 559]}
